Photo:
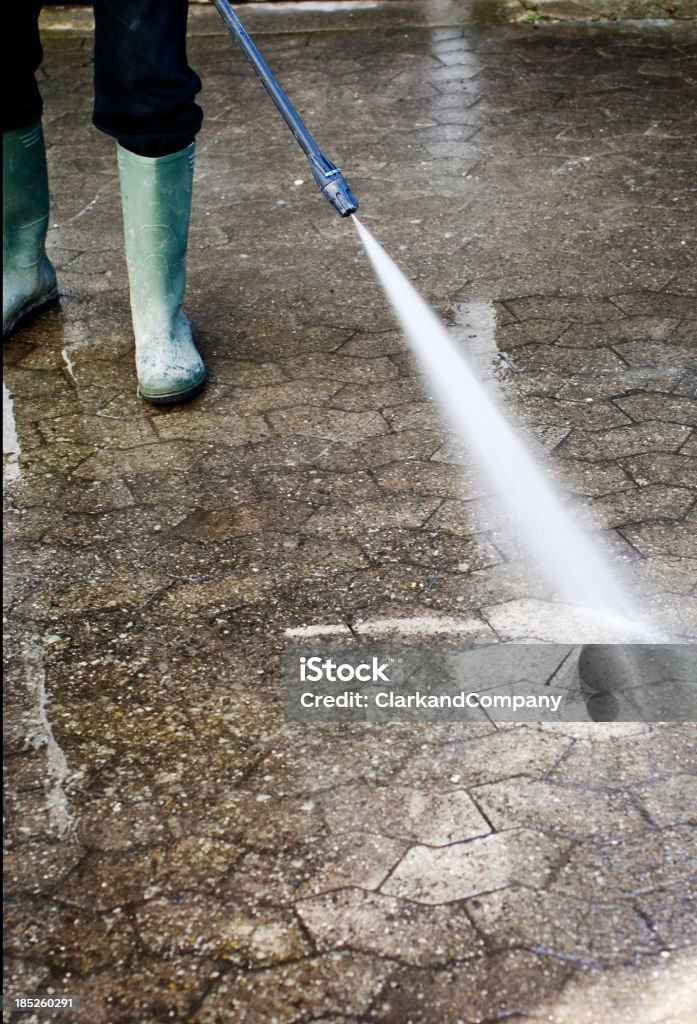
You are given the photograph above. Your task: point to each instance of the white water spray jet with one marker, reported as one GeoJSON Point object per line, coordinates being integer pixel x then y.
{"type": "Point", "coordinates": [568, 556]}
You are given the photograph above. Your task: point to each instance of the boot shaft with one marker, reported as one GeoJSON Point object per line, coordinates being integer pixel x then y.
{"type": "Point", "coordinates": [156, 201]}
{"type": "Point", "coordinates": [28, 277]}
{"type": "Point", "coordinates": [25, 195]}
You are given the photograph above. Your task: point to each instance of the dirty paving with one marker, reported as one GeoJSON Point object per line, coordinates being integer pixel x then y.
{"type": "Point", "coordinates": [174, 852]}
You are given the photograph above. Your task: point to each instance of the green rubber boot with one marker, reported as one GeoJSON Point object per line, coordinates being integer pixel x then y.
{"type": "Point", "coordinates": [28, 277]}
{"type": "Point", "coordinates": [156, 197]}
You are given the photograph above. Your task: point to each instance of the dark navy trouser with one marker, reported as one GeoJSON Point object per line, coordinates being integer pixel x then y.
{"type": "Point", "coordinates": [144, 89]}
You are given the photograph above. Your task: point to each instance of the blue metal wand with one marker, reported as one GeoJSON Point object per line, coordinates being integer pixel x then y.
{"type": "Point", "coordinates": [329, 178]}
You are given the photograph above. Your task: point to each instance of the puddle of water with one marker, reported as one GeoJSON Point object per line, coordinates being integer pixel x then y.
{"type": "Point", "coordinates": [10, 441]}
{"type": "Point", "coordinates": [474, 330]}
{"type": "Point", "coordinates": [56, 764]}
{"type": "Point", "coordinates": [70, 365]}
{"type": "Point", "coordinates": [571, 560]}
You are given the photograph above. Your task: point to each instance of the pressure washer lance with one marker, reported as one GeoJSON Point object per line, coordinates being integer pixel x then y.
{"type": "Point", "coordinates": [329, 178]}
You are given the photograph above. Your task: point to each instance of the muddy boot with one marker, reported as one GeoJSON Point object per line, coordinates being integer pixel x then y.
{"type": "Point", "coordinates": [156, 197]}
{"type": "Point", "coordinates": [28, 278]}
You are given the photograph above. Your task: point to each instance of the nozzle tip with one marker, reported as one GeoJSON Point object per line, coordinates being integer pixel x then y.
{"type": "Point", "coordinates": [340, 196]}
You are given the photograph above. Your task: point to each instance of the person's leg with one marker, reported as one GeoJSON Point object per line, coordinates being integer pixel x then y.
{"type": "Point", "coordinates": [145, 98]}
{"type": "Point", "coordinates": [29, 280]}
{"type": "Point", "coordinates": [144, 89]}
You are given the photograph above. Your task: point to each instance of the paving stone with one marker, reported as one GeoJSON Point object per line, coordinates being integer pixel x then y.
{"type": "Point", "coordinates": [672, 912]}
{"type": "Point", "coordinates": [595, 479]}
{"type": "Point", "coordinates": [514, 334]}
{"type": "Point", "coordinates": [243, 519]}
{"type": "Point", "coordinates": [38, 867]}
{"type": "Point", "coordinates": [327, 423]}
{"type": "Point", "coordinates": [622, 442]}
{"type": "Point", "coordinates": [630, 759]}
{"type": "Point", "coordinates": [632, 866]}
{"type": "Point", "coordinates": [99, 496]}
{"type": "Point", "coordinates": [676, 615]}
{"type": "Point", "coordinates": [252, 375]}
{"type": "Point", "coordinates": [654, 539]}
{"type": "Point", "coordinates": [325, 486]}
{"type": "Point", "coordinates": [501, 579]}
{"type": "Point", "coordinates": [662, 377]}
{"type": "Point", "coordinates": [445, 874]}
{"type": "Point", "coordinates": [666, 408]}
{"type": "Point", "coordinates": [159, 990]}
{"type": "Point", "coordinates": [271, 876]}
{"type": "Point", "coordinates": [445, 993]}
{"type": "Point", "coordinates": [463, 518]}
{"type": "Point", "coordinates": [373, 923]}
{"type": "Point", "coordinates": [640, 328]}
{"type": "Point", "coordinates": [376, 514]}
{"type": "Point", "coordinates": [678, 470]}
{"type": "Point", "coordinates": [566, 361]}
{"type": "Point", "coordinates": [206, 927]}
{"type": "Point", "coordinates": [231, 427]}
{"type": "Point", "coordinates": [598, 931]}
{"type": "Point", "coordinates": [690, 446]}
{"type": "Point", "coordinates": [559, 810]}
{"type": "Point", "coordinates": [651, 504]}
{"type": "Point", "coordinates": [574, 310]}
{"type": "Point", "coordinates": [367, 344]}
{"type": "Point", "coordinates": [422, 478]}
{"type": "Point", "coordinates": [585, 415]}
{"type": "Point", "coordinates": [45, 932]}
{"type": "Point", "coordinates": [413, 416]}
{"type": "Point", "coordinates": [118, 878]}
{"type": "Point", "coordinates": [530, 618]}
{"type": "Point", "coordinates": [378, 395]}
{"type": "Point", "coordinates": [430, 548]}
{"type": "Point", "coordinates": [665, 574]}
{"type": "Point", "coordinates": [651, 304]}
{"type": "Point", "coordinates": [336, 983]}
{"type": "Point", "coordinates": [340, 368]}
{"type": "Point", "coordinates": [288, 394]}
{"type": "Point", "coordinates": [146, 458]}
{"type": "Point", "coordinates": [643, 355]}
{"type": "Point", "coordinates": [82, 429]}
{"type": "Point", "coordinates": [478, 762]}
{"type": "Point", "coordinates": [671, 801]}
{"type": "Point", "coordinates": [58, 458]}
{"type": "Point", "coordinates": [599, 731]}
{"type": "Point", "coordinates": [374, 452]}
{"type": "Point", "coordinates": [24, 976]}
{"type": "Point", "coordinates": [432, 819]}
{"type": "Point", "coordinates": [309, 762]}
{"type": "Point", "coordinates": [98, 590]}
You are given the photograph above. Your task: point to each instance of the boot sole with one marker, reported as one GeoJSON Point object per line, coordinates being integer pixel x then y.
{"type": "Point", "coordinates": [178, 396]}
{"type": "Point", "coordinates": [50, 299]}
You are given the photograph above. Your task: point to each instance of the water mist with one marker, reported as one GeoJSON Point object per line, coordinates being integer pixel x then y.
{"type": "Point", "coordinates": [569, 557]}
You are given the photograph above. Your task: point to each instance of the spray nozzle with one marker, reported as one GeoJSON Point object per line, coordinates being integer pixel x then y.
{"type": "Point", "coordinates": [333, 185]}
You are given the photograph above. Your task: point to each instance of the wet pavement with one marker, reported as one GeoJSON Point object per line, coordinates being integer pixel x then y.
{"type": "Point", "coordinates": [174, 851]}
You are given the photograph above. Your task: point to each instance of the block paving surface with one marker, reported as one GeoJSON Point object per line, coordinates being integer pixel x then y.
{"type": "Point", "coordinates": [174, 850]}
